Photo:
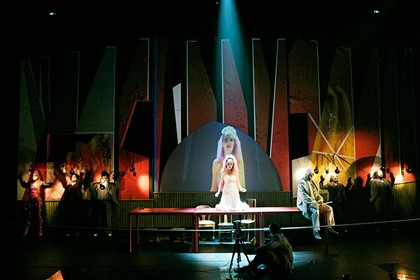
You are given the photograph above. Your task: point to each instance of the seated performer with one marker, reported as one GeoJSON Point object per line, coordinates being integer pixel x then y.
{"type": "Point", "coordinates": [309, 201]}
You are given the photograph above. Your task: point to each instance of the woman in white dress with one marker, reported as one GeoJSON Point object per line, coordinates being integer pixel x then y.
{"type": "Point", "coordinates": [228, 144]}
{"type": "Point", "coordinates": [230, 186]}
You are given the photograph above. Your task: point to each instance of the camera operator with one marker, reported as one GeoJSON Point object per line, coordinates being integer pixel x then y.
{"type": "Point", "coordinates": [276, 255]}
{"type": "Point", "coordinates": [104, 198]}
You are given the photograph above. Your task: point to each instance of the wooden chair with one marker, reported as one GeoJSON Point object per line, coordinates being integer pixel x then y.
{"type": "Point", "coordinates": [225, 224]}
{"type": "Point", "coordinates": [206, 222]}
{"type": "Point", "coordinates": [248, 221]}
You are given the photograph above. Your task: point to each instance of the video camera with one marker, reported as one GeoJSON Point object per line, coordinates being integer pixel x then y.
{"type": "Point", "coordinates": [237, 229]}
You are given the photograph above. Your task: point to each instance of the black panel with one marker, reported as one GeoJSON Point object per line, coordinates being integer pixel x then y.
{"type": "Point", "coordinates": [298, 137]}
{"type": "Point", "coordinates": [139, 135]}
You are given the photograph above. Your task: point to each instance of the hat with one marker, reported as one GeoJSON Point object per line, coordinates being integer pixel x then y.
{"type": "Point", "coordinates": [309, 172]}
{"type": "Point", "coordinates": [104, 173]}
{"type": "Point", "coordinates": [36, 172]}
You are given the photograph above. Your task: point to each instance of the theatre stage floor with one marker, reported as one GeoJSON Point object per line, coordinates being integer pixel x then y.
{"type": "Point", "coordinates": [362, 252]}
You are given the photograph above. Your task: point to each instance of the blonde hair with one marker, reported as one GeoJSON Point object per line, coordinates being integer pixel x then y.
{"type": "Point", "coordinates": [225, 162]}
{"type": "Point", "coordinates": [237, 150]}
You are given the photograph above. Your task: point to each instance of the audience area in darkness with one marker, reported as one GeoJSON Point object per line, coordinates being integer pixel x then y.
{"type": "Point", "coordinates": [189, 168]}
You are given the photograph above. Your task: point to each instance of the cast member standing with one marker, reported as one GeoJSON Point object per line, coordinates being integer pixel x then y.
{"type": "Point", "coordinates": [34, 199]}
{"type": "Point", "coordinates": [104, 200]}
{"type": "Point", "coordinates": [309, 201]}
{"type": "Point", "coordinates": [337, 196]}
{"type": "Point", "coordinates": [87, 216]}
{"type": "Point", "coordinates": [230, 186]}
{"type": "Point", "coordinates": [381, 194]}
{"type": "Point", "coordinates": [73, 200]}
{"type": "Point", "coordinates": [358, 200]}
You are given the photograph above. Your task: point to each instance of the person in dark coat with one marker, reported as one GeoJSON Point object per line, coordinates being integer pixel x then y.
{"type": "Point", "coordinates": [104, 200]}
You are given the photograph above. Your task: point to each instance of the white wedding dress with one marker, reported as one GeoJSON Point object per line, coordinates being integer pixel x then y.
{"type": "Point", "coordinates": [230, 199]}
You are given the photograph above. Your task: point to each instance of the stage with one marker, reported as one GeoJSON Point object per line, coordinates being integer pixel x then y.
{"type": "Point", "coordinates": [358, 252]}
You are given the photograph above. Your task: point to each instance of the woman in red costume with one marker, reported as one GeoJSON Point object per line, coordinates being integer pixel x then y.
{"type": "Point", "coordinates": [33, 198]}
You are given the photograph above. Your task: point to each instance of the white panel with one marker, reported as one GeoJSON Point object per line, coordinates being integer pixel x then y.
{"type": "Point", "coordinates": [177, 109]}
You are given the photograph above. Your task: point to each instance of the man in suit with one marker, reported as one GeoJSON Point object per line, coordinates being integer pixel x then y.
{"type": "Point", "coordinates": [309, 201]}
{"type": "Point", "coordinates": [104, 197]}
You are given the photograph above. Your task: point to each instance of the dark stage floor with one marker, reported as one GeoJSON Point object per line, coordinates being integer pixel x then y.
{"type": "Point", "coordinates": [361, 252]}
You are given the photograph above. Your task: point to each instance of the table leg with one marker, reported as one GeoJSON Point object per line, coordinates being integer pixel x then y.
{"type": "Point", "coordinates": [130, 232]}
{"type": "Point", "coordinates": [195, 240]}
{"type": "Point", "coordinates": [326, 231]}
{"type": "Point", "coordinates": [260, 234]}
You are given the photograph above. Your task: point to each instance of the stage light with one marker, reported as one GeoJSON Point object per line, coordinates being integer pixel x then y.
{"type": "Point", "coordinates": [133, 170]}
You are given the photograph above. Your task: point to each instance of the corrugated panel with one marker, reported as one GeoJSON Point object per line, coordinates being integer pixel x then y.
{"type": "Point", "coordinates": [402, 208]}
{"type": "Point", "coordinates": [51, 213]}
{"type": "Point", "coordinates": [171, 199]}
{"type": "Point", "coordinates": [181, 200]}
{"type": "Point", "coordinates": [404, 205]}
{"type": "Point", "coordinates": [121, 219]}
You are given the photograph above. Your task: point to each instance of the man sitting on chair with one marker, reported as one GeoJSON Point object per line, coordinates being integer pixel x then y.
{"type": "Point", "coordinates": [309, 201]}
{"type": "Point", "coordinates": [275, 255]}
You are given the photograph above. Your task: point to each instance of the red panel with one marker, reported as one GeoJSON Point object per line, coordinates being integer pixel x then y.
{"type": "Point", "coordinates": [235, 111]}
{"type": "Point", "coordinates": [367, 126]}
{"type": "Point", "coordinates": [262, 96]}
{"type": "Point", "coordinates": [280, 137]}
{"type": "Point", "coordinates": [202, 107]}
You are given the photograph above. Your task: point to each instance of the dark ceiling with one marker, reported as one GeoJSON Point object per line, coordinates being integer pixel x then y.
{"type": "Point", "coordinates": [344, 21]}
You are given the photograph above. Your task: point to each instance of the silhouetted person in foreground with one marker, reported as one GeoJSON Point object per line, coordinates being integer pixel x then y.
{"type": "Point", "coordinates": [276, 255]}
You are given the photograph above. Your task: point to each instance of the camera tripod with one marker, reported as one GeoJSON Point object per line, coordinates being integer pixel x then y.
{"type": "Point", "coordinates": [239, 244]}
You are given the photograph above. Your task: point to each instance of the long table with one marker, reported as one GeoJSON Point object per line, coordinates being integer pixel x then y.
{"type": "Point", "coordinates": [195, 213]}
